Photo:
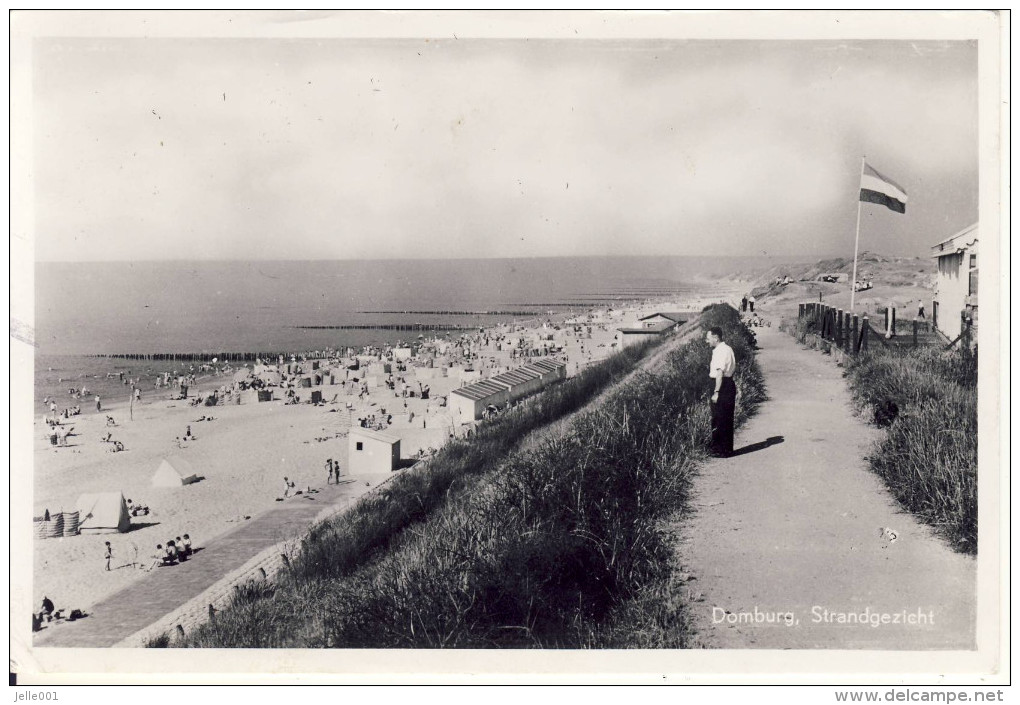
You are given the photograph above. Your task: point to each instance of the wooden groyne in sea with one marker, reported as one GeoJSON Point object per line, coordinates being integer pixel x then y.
{"type": "Point", "coordinates": [195, 356]}
{"type": "Point", "coordinates": [457, 313]}
{"type": "Point", "coordinates": [392, 326]}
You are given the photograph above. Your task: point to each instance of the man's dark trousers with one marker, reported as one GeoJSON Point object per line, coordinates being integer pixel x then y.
{"type": "Point", "coordinates": [722, 418]}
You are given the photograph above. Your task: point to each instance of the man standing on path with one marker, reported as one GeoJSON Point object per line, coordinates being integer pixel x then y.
{"type": "Point", "coordinates": [724, 398]}
{"type": "Point", "coordinates": [109, 555]}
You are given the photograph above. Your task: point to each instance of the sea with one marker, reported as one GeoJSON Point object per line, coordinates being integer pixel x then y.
{"type": "Point", "coordinates": [86, 311]}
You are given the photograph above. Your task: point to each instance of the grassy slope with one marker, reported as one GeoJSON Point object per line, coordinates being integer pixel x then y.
{"type": "Point", "coordinates": [557, 546]}
{"type": "Point", "coordinates": [928, 400]}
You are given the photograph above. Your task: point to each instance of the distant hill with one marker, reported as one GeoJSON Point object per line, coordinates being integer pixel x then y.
{"type": "Point", "coordinates": [897, 280]}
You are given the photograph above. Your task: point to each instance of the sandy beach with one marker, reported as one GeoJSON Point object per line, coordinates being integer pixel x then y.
{"type": "Point", "coordinates": [242, 452]}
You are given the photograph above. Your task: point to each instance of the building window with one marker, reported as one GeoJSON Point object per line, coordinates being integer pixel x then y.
{"type": "Point", "coordinates": [972, 286]}
{"type": "Point", "coordinates": [358, 445]}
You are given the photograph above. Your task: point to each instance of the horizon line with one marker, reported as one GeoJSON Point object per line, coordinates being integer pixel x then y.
{"type": "Point", "coordinates": [803, 257]}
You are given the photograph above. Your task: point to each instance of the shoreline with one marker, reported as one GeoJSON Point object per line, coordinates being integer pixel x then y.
{"type": "Point", "coordinates": [243, 452]}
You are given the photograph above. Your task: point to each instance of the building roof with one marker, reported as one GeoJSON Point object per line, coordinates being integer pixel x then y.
{"type": "Point", "coordinates": [549, 364]}
{"type": "Point", "coordinates": [650, 330]}
{"type": "Point", "coordinates": [517, 376]}
{"type": "Point", "coordinates": [480, 390]}
{"type": "Point", "coordinates": [675, 316]}
{"type": "Point", "coordinates": [374, 435]}
{"type": "Point", "coordinates": [954, 243]}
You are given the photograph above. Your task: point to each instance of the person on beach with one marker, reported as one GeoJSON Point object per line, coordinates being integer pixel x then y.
{"type": "Point", "coordinates": [138, 394]}
{"type": "Point", "coordinates": [99, 405]}
{"type": "Point", "coordinates": [287, 484]}
{"type": "Point", "coordinates": [109, 555]}
{"type": "Point", "coordinates": [920, 309]}
{"type": "Point", "coordinates": [186, 542]}
{"type": "Point", "coordinates": [46, 610]}
{"type": "Point", "coordinates": [329, 471]}
{"type": "Point", "coordinates": [178, 551]}
{"type": "Point", "coordinates": [724, 397]}
{"type": "Point", "coordinates": [750, 303]}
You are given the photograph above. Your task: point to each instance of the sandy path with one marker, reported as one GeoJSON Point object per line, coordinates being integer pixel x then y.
{"type": "Point", "coordinates": [795, 527]}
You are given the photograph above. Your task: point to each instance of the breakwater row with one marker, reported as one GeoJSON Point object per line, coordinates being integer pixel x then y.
{"type": "Point", "coordinates": [193, 356]}
{"type": "Point", "coordinates": [459, 313]}
{"type": "Point", "coordinates": [392, 326]}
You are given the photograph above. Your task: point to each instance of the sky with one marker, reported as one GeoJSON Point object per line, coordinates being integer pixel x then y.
{"type": "Point", "coordinates": [194, 148]}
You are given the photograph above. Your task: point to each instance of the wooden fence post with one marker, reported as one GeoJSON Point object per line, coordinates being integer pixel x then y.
{"type": "Point", "coordinates": [854, 339]}
{"type": "Point", "coordinates": [915, 332]}
{"type": "Point", "coordinates": [864, 333]}
{"type": "Point", "coordinates": [892, 328]}
{"type": "Point", "coordinates": [839, 327]}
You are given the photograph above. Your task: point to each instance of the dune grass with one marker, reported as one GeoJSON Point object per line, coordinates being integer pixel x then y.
{"type": "Point", "coordinates": [928, 400]}
{"type": "Point", "coordinates": [560, 545]}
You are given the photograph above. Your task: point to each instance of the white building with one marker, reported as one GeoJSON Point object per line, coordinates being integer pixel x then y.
{"type": "Point", "coordinates": [469, 403]}
{"type": "Point", "coordinates": [372, 452]}
{"type": "Point", "coordinates": [956, 284]}
{"type": "Point", "coordinates": [551, 369]}
{"type": "Point", "coordinates": [521, 382]}
{"type": "Point", "coordinates": [646, 330]}
{"type": "Point", "coordinates": [661, 318]}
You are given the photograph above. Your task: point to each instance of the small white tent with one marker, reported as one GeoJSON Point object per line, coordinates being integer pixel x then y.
{"type": "Point", "coordinates": [174, 472]}
{"type": "Point", "coordinates": [103, 513]}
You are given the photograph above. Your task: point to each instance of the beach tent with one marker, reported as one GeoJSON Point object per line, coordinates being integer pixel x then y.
{"type": "Point", "coordinates": [103, 513]}
{"type": "Point", "coordinates": [174, 472]}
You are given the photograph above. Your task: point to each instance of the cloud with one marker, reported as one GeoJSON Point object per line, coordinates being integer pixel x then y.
{"type": "Point", "coordinates": [305, 149]}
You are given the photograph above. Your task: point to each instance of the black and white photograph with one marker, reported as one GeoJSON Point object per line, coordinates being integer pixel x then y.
{"type": "Point", "coordinates": [439, 345]}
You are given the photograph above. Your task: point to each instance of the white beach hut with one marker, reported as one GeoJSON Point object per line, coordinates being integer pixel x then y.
{"type": "Point", "coordinates": [372, 451]}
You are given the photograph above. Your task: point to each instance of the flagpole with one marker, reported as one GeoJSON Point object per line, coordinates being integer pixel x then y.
{"type": "Point", "coordinates": [857, 239]}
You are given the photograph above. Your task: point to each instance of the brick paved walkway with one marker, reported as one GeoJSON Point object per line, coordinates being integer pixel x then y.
{"type": "Point", "coordinates": [167, 588]}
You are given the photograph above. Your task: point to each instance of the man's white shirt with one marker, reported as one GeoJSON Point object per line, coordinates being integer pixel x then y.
{"type": "Point", "coordinates": [724, 364]}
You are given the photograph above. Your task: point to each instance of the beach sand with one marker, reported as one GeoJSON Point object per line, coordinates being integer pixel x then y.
{"type": "Point", "coordinates": [242, 456]}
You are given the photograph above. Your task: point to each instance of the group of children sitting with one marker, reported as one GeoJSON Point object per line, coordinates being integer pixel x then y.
{"type": "Point", "coordinates": [177, 551]}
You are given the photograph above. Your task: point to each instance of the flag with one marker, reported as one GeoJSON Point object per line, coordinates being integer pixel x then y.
{"type": "Point", "coordinates": [876, 188]}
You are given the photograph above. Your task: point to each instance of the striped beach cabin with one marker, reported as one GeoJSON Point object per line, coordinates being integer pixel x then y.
{"type": "Point", "coordinates": [520, 382]}
{"type": "Point", "coordinates": [469, 402]}
{"type": "Point", "coordinates": [552, 370]}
